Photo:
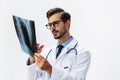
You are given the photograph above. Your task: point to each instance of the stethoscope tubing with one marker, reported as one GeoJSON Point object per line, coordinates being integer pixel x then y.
{"type": "Point", "coordinates": [67, 51]}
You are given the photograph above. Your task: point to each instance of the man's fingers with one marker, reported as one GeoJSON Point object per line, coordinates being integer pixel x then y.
{"type": "Point", "coordinates": [39, 48]}
{"type": "Point", "coordinates": [39, 57]}
{"type": "Point", "coordinates": [38, 45]}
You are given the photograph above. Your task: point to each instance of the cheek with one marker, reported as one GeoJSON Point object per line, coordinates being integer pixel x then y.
{"type": "Point", "coordinates": [62, 26]}
{"type": "Point", "coordinates": [63, 29]}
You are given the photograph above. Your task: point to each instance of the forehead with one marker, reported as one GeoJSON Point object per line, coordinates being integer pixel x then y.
{"type": "Point", "coordinates": [54, 17]}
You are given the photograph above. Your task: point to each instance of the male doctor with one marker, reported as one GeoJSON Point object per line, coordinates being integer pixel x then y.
{"type": "Point", "coordinates": [66, 60]}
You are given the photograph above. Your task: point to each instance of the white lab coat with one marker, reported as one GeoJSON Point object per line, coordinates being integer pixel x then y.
{"type": "Point", "coordinates": [66, 67]}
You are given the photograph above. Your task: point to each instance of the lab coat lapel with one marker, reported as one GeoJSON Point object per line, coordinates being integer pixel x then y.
{"type": "Point", "coordinates": [52, 56]}
{"type": "Point", "coordinates": [67, 48]}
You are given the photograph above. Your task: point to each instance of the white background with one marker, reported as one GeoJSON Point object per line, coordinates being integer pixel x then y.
{"type": "Point", "coordinates": [95, 23]}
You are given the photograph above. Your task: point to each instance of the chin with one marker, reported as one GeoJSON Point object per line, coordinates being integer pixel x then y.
{"type": "Point", "coordinates": [56, 38]}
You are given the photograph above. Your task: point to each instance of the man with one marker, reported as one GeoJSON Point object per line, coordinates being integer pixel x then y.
{"type": "Point", "coordinates": [64, 61]}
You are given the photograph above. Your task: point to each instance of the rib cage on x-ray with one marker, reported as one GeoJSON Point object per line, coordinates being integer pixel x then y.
{"type": "Point", "coordinates": [25, 30]}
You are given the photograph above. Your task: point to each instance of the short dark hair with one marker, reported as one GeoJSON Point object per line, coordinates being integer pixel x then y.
{"type": "Point", "coordinates": [64, 15]}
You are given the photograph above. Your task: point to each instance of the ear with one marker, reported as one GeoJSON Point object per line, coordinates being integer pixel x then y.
{"type": "Point", "coordinates": [67, 24]}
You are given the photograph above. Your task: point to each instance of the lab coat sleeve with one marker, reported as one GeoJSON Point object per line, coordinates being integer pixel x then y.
{"type": "Point", "coordinates": [78, 70]}
{"type": "Point", "coordinates": [34, 73]}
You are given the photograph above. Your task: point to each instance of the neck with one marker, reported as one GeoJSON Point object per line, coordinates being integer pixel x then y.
{"type": "Point", "coordinates": [64, 38]}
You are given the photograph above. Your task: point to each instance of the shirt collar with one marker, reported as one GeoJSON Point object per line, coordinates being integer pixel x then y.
{"type": "Point", "coordinates": [66, 42]}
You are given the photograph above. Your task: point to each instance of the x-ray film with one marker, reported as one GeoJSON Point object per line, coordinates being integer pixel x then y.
{"type": "Point", "coordinates": [25, 30]}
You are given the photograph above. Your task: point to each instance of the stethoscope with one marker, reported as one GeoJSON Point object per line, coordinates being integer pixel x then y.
{"type": "Point", "coordinates": [72, 49]}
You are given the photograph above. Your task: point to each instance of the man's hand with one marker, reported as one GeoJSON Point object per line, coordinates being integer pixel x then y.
{"type": "Point", "coordinates": [39, 49]}
{"type": "Point", "coordinates": [42, 63]}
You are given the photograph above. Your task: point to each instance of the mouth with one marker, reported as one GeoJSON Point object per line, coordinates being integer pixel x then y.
{"type": "Point", "coordinates": [55, 32]}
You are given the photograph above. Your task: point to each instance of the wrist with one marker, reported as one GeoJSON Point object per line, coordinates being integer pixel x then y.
{"type": "Point", "coordinates": [49, 70]}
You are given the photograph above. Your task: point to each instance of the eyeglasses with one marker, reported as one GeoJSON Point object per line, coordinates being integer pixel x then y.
{"type": "Point", "coordinates": [55, 23]}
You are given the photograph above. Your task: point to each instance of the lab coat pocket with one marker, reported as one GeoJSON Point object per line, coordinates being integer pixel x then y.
{"type": "Point", "coordinates": [68, 62]}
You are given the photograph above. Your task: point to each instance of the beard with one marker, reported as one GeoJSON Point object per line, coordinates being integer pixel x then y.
{"type": "Point", "coordinates": [58, 34]}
